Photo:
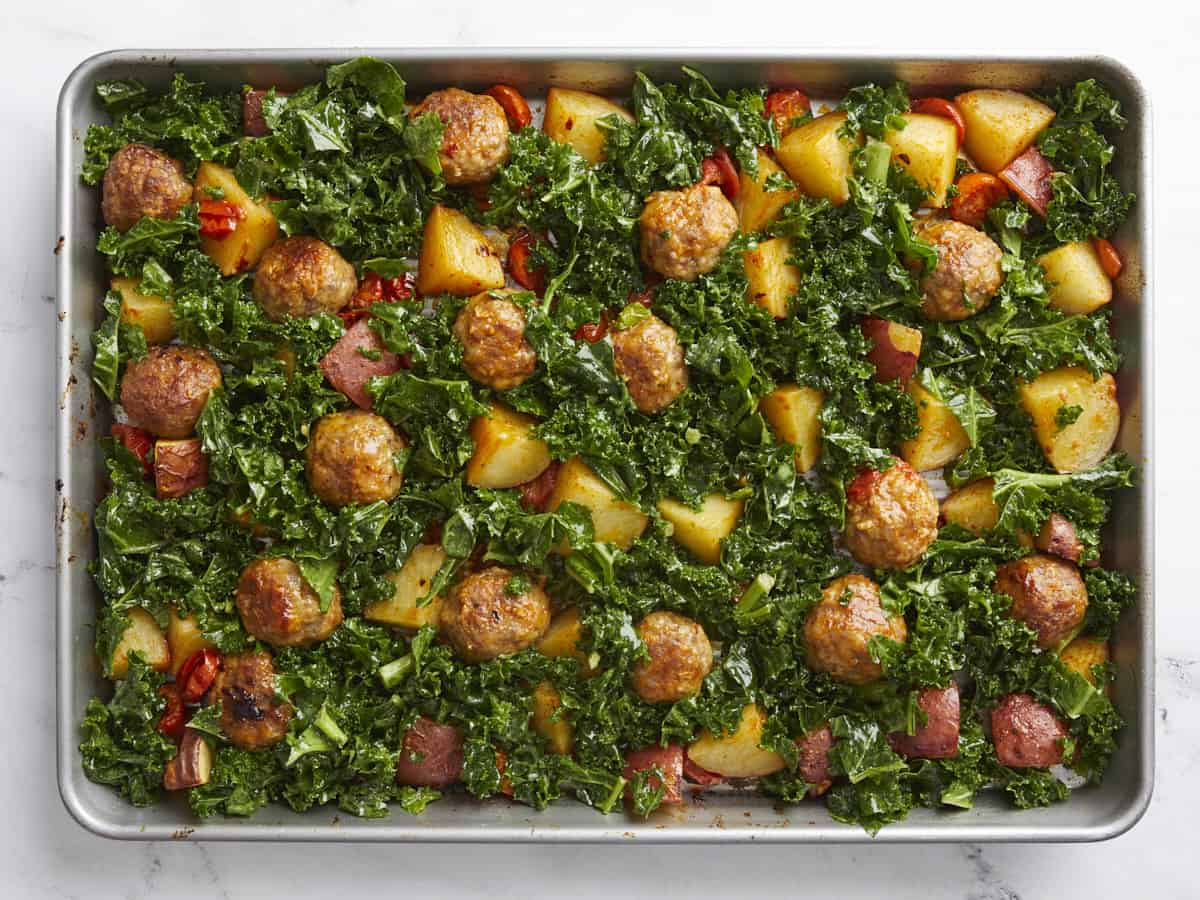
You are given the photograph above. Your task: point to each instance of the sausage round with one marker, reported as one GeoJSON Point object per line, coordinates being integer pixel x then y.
{"type": "Point", "coordinates": [279, 607]}
{"type": "Point", "coordinates": [891, 517]}
{"type": "Point", "coordinates": [431, 755]}
{"type": "Point", "coordinates": [813, 750]}
{"type": "Point", "coordinates": [967, 274]}
{"type": "Point", "coordinates": [250, 717]}
{"type": "Point", "coordinates": [165, 391]}
{"type": "Point", "coordinates": [650, 359]}
{"type": "Point", "coordinates": [1047, 595]}
{"type": "Point", "coordinates": [483, 618]}
{"type": "Point", "coordinates": [142, 182]}
{"type": "Point", "coordinates": [938, 737]}
{"type": "Point", "coordinates": [684, 233]}
{"type": "Point", "coordinates": [474, 134]}
{"type": "Point", "coordinates": [492, 333]}
{"type": "Point", "coordinates": [1027, 734]}
{"type": "Point", "coordinates": [837, 633]}
{"type": "Point", "coordinates": [302, 276]}
{"type": "Point", "coordinates": [680, 657]}
{"type": "Point", "coordinates": [351, 458]}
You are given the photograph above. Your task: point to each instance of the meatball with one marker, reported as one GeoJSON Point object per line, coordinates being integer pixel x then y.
{"type": "Point", "coordinates": [165, 391]}
{"type": "Point", "coordinates": [474, 134]}
{"type": "Point", "coordinates": [492, 332]}
{"type": "Point", "coordinates": [1027, 734]}
{"type": "Point", "coordinates": [351, 458]}
{"type": "Point", "coordinates": [937, 738]}
{"type": "Point", "coordinates": [302, 276]}
{"type": "Point", "coordinates": [967, 274]}
{"type": "Point", "coordinates": [680, 658]}
{"type": "Point", "coordinates": [891, 517]}
{"type": "Point", "coordinates": [494, 612]}
{"type": "Point", "coordinates": [684, 232]}
{"type": "Point", "coordinates": [279, 607]}
{"type": "Point", "coordinates": [140, 181]}
{"type": "Point", "coordinates": [812, 750]}
{"type": "Point", "coordinates": [431, 755]}
{"type": "Point", "coordinates": [250, 717]}
{"type": "Point", "coordinates": [1047, 595]}
{"type": "Point", "coordinates": [839, 628]}
{"type": "Point", "coordinates": [650, 359]}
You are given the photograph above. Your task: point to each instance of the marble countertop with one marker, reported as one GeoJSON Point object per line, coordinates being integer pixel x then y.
{"type": "Point", "coordinates": [47, 855]}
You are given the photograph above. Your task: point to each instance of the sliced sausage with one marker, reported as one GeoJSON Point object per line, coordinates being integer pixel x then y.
{"type": "Point", "coordinates": [938, 737]}
{"type": "Point", "coordinates": [348, 370]}
{"type": "Point", "coordinates": [431, 755]}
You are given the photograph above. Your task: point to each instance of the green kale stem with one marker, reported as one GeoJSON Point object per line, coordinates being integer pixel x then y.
{"type": "Point", "coordinates": [396, 671]}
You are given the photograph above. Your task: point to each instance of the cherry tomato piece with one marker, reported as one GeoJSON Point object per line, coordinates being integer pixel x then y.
{"type": "Point", "coordinates": [1110, 259]}
{"type": "Point", "coordinates": [785, 106]}
{"type": "Point", "coordinates": [532, 279]}
{"type": "Point", "coordinates": [137, 441]}
{"type": "Point", "coordinates": [938, 106]}
{"type": "Point", "coordinates": [197, 674]}
{"type": "Point", "coordinates": [516, 110]}
{"type": "Point", "coordinates": [977, 193]}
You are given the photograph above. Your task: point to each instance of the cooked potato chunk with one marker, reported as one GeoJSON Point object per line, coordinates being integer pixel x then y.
{"type": "Point", "coordinates": [927, 146]}
{"type": "Point", "coordinates": [794, 414]}
{"type": "Point", "coordinates": [757, 206]}
{"type": "Point", "coordinates": [1083, 653]}
{"type": "Point", "coordinates": [506, 452]}
{"type": "Point", "coordinates": [559, 734]}
{"type": "Point", "coordinates": [571, 118]}
{"type": "Point", "coordinates": [184, 638]}
{"type": "Point", "coordinates": [737, 754]}
{"type": "Point", "coordinates": [191, 766]}
{"type": "Point", "coordinates": [972, 507]}
{"type": "Point", "coordinates": [940, 437]}
{"type": "Point", "coordinates": [142, 635]}
{"type": "Point", "coordinates": [562, 639]}
{"type": "Point", "coordinates": [180, 467]}
{"type": "Point", "coordinates": [817, 158]}
{"type": "Point", "coordinates": [1080, 285]}
{"type": "Point", "coordinates": [1000, 125]}
{"type": "Point", "coordinates": [150, 312]}
{"type": "Point", "coordinates": [455, 257]}
{"type": "Point", "coordinates": [255, 231]}
{"type": "Point", "coordinates": [896, 350]}
{"type": "Point", "coordinates": [411, 585]}
{"type": "Point", "coordinates": [1083, 443]}
{"type": "Point", "coordinates": [702, 530]}
{"type": "Point", "coordinates": [772, 280]}
{"type": "Point", "coordinates": [613, 520]}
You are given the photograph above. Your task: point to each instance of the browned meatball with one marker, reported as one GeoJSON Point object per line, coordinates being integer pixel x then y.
{"type": "Point", "coordinates": [839, 628]}
{"type": "Point", "coordinates": [351, 458]}
{"type": "Point", "coordinates": [1047, 595]}
{"type": "Point", "coordinates": [967, 274]}
{"type": "Point", "coordinates": [492, 332]}
{"type": "Point", "coordinates": [1027, 734]}
{"type": "Point", "coordinates": [891, 517]}
{"type": "Point", "coordinates": [302, 276]}
{"type": "Point", "coordinates": [279, 607]}
{"type": "Point", "coordinates": [650, 359]}
{"type": "Point", "coordinates": [474, 134]}
{"type": "Point", "coordinates": [684, 232]}
{"type": "Point", "coordinates": [165, 391]}
{"type": "Point", "coordinates": [937, 737]}
{"type": "Point", "coordinates": [250, 716]}
{"type": "Point", "coordinates": [140, 181]}
{"type": "Point", "coordinates": [680, 658]}
{"type": "Point", "coordinates": [494, 612]}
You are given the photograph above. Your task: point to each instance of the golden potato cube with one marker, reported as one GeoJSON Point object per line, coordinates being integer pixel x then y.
{"type": "Point", "coordinates": [1001, 125]}
{"type": "Point", "coordinates": [562, 639]}
{"type": "Point", "coordinates": [794, 414]}
{"type": "Point", "coordinates": [143, 635]}
{"type": "Point", "coordinates": [184, 638]}
{"type": "Point", "coordinates": [571, 118]}
{"type": "Point", "coordinates": [817, 158]}
{"type": "Point", "coordinates": [772, 280]}
{"type": "Point", "coordinates": [155, 315]}
{"type": "Point", "coordinates": [255, 232]}
{"type": "Point", "coordinates": [701, 531]}
{"type": "Point", "coordinates": [737, 754]}
{"type": "Point", "coordinates": [559, 734]}
{"type": "Point", "coordinates": [411, 585]}
{"type": "Point", "coordinates": [927, 147]}
{"type": "Point", "coordinates": [1079, 283]}
{"type": "Point", "coordinates": [455, 257]}
{"type": "Point", "coordinates": [756, 206]}
{"type": "Point", "coordinates": [614, 521]}
{"type": "Point", "coordinates": [506, 452]}
{"type": "Point", "coordinates": [972, 507]}
{"type": "Point", "coordinates": [940, 436]}
{"type": "Point", "coordinates": [1082, 444]}
{"type": "Point", "coordinates": [1083, 653]}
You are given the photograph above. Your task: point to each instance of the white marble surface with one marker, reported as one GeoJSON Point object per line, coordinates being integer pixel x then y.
{"type": "Point", "coordinates": [45, 854]}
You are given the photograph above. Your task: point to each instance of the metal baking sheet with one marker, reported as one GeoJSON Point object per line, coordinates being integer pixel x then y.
{"type": "Point", "coordinates": [1093, 813]}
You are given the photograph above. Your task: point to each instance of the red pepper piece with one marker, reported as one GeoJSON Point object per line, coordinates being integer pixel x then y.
{"type": "Point", "coordinates": [786, 105]}
{"type": "Point", "coordinates": [719, 169]}
{"type": "Point", "coordinates": [197, 674]}
{"type": "Point", "coordinates": [137, 441]}
{"type": "Point", "coordinates": [516, 110]}
{"type": "Point", "coordinates": [939, 106]}
{"type": "Point", "coordinates": [219, 218]}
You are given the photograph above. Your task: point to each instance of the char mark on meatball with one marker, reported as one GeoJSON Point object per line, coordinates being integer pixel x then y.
{"type": "Point", "coordinates": [250, 715]}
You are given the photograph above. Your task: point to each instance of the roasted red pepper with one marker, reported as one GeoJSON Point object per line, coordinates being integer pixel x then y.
{"type": "Point", "coordinates": [219, 218]}
{"type": "Point", "coordinates": [197, 674]}
{"type": "Point", "coordinates": [718, 169]}
{"type": "Point", "coordinates": [1110, 259]}
{"type": "Point", "coordinates": [785, 106]}
{"type": "Point", "coordinates": [939, 106]}
{"type": "Point", "coordinates": [137, 441]}
{"type": "Point", "coordinates": [174, 716]}
{"type": "Point", "coordinates": [535, 494]}
{"type": "Point", "coordinates": [977, 193]}
{"type": "Point", "coordinates": [532, 279]}
{"type": "Point", "coordinates": [516, 110]}
{"type": "Point", "coordinates": [374, 289]}
{"type": "Point", "coordinates": [592, 332]}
